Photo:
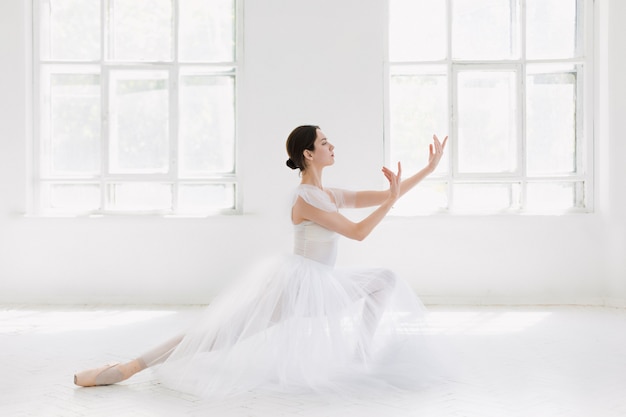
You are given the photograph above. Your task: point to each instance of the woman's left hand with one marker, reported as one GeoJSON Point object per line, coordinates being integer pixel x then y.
{"type": "Point", "coordinates": [395, 181]}
{"type": "Point", "coordinates": [436, 152]}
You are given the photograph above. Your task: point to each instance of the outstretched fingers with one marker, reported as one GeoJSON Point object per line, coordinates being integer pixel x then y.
{"type": "Point", "coordinates": [435, 151]}
{"type": "Point", "coordinates": [390, 174]}
{"type": "Point", "coordinates": [394, 180]}
{"type": "Point", "coordinates": [438, 145]}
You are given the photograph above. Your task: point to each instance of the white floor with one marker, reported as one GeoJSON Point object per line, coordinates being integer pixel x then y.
{"type": "Point", "coordinates": [522, 361]}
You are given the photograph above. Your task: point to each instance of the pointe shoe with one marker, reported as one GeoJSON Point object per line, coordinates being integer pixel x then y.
{"type": "Point", "coordinates": [88, 378]}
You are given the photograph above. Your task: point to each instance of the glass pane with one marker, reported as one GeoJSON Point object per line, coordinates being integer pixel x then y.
{"type": "Point", "coordinates": [417, 30]}
{"type": "Point", "coordinates": [484, 29]}
{"type": "Point", "coordinates": [139, 141]}
{"type": "Point", "coordinates": [70, 29]}
{"type": "Point", "coordinates": [427, 197]}
{"type": "Point", "coordinates": [489, 197]}
{"type": "Point", "coordinates": [139, 196]}
{"type": "Point", "coordinates": [551, 28]}
{"type": "Point", "coordinates": [418, 109]}
{"type": "Point", "coordinates": [206, 197]}
{"type": "Point", "coordinates": [550, 196]}
{"type": "Point", "coordinates": [141, 30]}
{"type": "Point", "coordinates": [206, 30]}
{"type": "Point", "coordinates": [70, 127]}
{"type": "Point", "coordinates": [71, 197]}
{"type": "Point", "coordinates": [207, 124]}
{"type": "Point", "coordinates": [487, 123]}
{"type": "Point", "coordinates": [551, 123]}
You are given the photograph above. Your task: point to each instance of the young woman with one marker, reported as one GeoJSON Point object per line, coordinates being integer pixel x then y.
{"type": "Point", "coordinates": [299, 323]}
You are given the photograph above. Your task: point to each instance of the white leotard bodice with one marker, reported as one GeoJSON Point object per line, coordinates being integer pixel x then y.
{"type": "Point", "coordinates": [312, 240]}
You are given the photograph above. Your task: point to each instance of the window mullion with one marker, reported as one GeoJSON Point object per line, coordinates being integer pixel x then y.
{"type": "Point", "coordinates": [387, 114]}
{"type": "Point", "coordinates": [522, 92]}
{"type": "Point", "coordinates": [104, 139]}
{"type": "Point", "coordinates": [516, 7]}
{"type": "Point", "coordinates": [174, 171]}
{"type": "Point", "coordinates": [108, 44]}
{"type": "Point", "coordinates": [453, 170]}
{"type": "Point", "coordinates": [521, 130]}
{"type": "Point", "coordinates": [587, 142]}
{"type": "Point", "coordinates": [580, 121]}
{"type": "Point", "coordinates": [452, 119]}
{"type": "Point", "coordinates": [104, 101]}
{"type": "Point", "coordinates": [36, 157]}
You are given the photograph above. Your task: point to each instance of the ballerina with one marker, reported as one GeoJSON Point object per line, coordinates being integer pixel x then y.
{"type": "Point", "coordinates": [298, 322]}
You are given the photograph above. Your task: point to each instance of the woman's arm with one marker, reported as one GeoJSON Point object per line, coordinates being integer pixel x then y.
{"type": "Point", "coordinates": [334, 221]}
{"type": "Point", "coordinates": [374, 198]}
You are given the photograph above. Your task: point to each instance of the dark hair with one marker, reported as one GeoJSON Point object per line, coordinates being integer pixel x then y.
{"type": "Point", "coordinates": [300, 139]}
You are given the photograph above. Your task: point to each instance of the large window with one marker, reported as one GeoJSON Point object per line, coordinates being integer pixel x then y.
{"type": "Point", "coordinates": [509, 81]}
{"type": "Point", "coordinates": [135, 106]}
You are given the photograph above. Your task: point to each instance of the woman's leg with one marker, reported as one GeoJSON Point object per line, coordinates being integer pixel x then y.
{"type": "Point", "coordinates": [377, 290]}
{"type": "Point", "coordinates": [120, 372]}
{"type": "Point", "coordinates": [159, 353]}
{"type": "Point", "coordinates": [112, 374]}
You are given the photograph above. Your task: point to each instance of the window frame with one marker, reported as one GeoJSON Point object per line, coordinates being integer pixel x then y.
{"type": "Point", "coordinates": [104, 66]}
{"type": "Point", "coordinates": [582, 177]}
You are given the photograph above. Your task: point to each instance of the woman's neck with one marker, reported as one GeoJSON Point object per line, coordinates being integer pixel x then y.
{"type": "Point", "coordinates": [312, 177]}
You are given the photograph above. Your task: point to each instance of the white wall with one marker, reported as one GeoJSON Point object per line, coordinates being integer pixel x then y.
{"type": "Point", "coordinates": [309, 62]}
{"type": "Point", "coordinates": [613, 142]}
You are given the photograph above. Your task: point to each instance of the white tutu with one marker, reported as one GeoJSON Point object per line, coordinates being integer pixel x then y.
{"type": "Point", "coordinates": [297, 324]}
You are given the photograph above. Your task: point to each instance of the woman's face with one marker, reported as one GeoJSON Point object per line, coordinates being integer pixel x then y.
{"type": "Point", "coordinates": [323, 154]}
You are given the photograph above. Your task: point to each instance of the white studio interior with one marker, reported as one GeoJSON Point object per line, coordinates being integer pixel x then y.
{"type": "Point", "coordinates": [322, 63]}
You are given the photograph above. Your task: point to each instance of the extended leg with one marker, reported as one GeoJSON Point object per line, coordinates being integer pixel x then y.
{"type": "Point", "coordinates": [112, 374]}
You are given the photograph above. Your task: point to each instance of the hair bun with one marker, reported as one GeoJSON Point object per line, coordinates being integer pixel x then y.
{"type": "Point", "coordinates": [291, 164]}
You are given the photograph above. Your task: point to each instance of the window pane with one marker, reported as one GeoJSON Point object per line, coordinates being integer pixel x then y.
{"type": "Point", "coordinates": [136, 106]}
{"type": "Point", "coordinates": [139, 141]}
{"type": "Point", "coordinates": [551, 28]}
{"type": "Point", "coordinates": [485, 196]}
{"type": "Point", "coordinates": [417, 30]}
{"type": "Point", "coordinates": [550, 196]}
{"type": "Point", "coordinates": [206, 197]}
{"type": "Point", "coordinates": [206, 30]}
{"type": "Point", "coordinates": [139, 196]}
{"type": "Point", "coordinates": [551, 122]}
{"type": "Point", "coordinates": [83, 197]}
{"type": "Point", "coordinates": [484, 29]}
{"type": "Point", "coordinates": [71, 124]}
{"type": "Point", "coordinates": [70, 29]}
{"type": "Point", "coordinates": [141, 30]}
{"type": "Point", "coordinates": [428, 197]}
{"type": "Point", "coordinates": [487, 124]}
{"type": "Point", "coordinates": [207, 124]}
{"type": "Point", "coordinates": [418, 109]}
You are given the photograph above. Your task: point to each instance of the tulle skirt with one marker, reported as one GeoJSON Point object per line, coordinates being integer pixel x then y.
{"type": "Point", "coordinates": [296, 325]}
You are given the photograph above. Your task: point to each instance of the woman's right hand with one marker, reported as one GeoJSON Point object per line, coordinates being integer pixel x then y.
{"type": "Point", "coordinates": [436, 152]}
{"type": "Point", "coordinates": [394, 182]}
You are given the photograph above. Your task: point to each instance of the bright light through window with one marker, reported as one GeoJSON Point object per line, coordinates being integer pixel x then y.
{"type": "Point", "coordinates": [509, 83]}
{"type": "Point", "coordinates": [135, 106]}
